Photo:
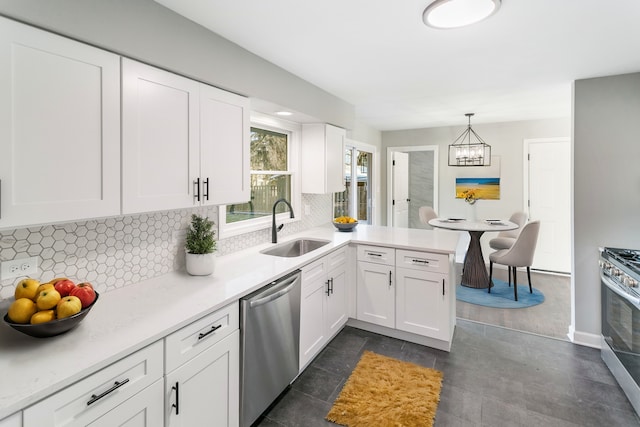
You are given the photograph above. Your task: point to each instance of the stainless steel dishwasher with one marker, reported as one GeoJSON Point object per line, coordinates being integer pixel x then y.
{"type": "Point", "coordinates": [269, 344]}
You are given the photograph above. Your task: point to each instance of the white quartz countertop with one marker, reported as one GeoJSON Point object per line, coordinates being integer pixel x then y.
{"type": "Point", "coordinates": [136, 315]}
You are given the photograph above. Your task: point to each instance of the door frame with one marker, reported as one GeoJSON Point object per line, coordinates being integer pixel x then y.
{"type": "Point", "coordinates": [436, 177]}
{"type": "Point", "coordinates": [374, 175]}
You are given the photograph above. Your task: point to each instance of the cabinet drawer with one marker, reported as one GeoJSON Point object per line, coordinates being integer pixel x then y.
{"type": "Point", "coordinates": [193, 339]}
{"type": "Point", "coordinates": [425, 261]}
{"type": "Point", "coordinates": [99, 393]}
{"type": "Point", "coordinates": [376, 254]}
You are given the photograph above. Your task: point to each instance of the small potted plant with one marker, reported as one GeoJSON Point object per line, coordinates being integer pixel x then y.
{"type": "Point", "coordinates": [200, 246]}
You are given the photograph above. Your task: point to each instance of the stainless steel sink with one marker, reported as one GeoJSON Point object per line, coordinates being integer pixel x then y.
{"type": "Point", "coordinates": [295, 248]}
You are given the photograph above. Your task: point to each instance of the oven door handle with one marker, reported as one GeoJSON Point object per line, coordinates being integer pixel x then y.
{"type": "Point", "coordinates": [615, 288]}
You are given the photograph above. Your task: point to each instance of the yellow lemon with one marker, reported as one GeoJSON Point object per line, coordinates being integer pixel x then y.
{"type": "Point", "coordinates": [43, 317]}
{"type": "Point", "coordinates": [27, 288]}
{"type": "Point", "coordinates": [21, 310]}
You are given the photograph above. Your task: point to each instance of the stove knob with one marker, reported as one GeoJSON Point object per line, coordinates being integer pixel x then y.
{"type": "Point", "coordinates": [631, 282]}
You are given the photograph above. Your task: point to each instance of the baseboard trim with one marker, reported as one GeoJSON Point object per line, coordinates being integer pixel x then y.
{"type": "Point", "coordinates": [584, 338]}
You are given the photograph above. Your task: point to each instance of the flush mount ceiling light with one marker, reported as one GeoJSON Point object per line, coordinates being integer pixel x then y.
{"type": "Point", "coordinates": [458, 13]}
{"type": "Point", "coordinates": [465, 153]}
{"type": "Point", "coordinates": [284, 113]}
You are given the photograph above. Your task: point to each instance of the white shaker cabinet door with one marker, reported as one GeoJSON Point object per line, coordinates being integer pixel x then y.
{"type": "Point", "coordinates": [59, 128]}
{"type": "Point", "coordinates": [337, 299]}
{"type": "Point", "coordinates": [375, 294]}
{"type": "Point", "coordinates": [312, 311]}
{"type": "Point", "coordinates": [224, 147]}
{"type": "Point", "coordinates": [422, 303]}
{"type": "Point", "coordinates": [160, 139]}
{"type": "Point", "coordinates": [205, 391]}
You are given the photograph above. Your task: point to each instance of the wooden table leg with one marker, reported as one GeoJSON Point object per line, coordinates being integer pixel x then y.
{"type": "Point", "coordinates": [474, 273]}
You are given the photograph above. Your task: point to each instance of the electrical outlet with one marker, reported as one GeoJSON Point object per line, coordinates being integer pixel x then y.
{"type": "Point", "coordinates": [18, 267]}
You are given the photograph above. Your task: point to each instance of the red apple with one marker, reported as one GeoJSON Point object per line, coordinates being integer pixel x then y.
{"type": "Point", "coordinates": [86, 284]}
{"type": "Point", "coordinates": [64, 287]}
{"type": "Point", "coordinates": [85, 292]}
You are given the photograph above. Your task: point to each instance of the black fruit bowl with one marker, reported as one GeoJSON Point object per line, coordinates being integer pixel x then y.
{"type": "Point", "coordinates": [52, 328]}
{"type": "Point", "coordinates": [345, 227]}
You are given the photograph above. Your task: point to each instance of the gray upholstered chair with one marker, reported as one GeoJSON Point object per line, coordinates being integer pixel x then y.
{"type": "Point", "coordinates": [426, 214]}
{"type": "Point", "coordinates": [520, 254]}
{"type": "Point", "coordinates": [505, 239]}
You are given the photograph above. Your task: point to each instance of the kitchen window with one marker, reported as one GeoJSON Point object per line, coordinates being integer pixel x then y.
{"type": "Point", "coordinates": [273, 160]}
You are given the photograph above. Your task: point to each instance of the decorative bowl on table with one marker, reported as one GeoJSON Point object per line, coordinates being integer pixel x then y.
{"type": "Point", "coordinates": [53, 327]}
{"type": "Point", "coordinates": [345, 223]}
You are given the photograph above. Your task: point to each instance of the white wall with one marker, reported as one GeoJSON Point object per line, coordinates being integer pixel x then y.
{"type": "Point", "coordinates": [606, 205]}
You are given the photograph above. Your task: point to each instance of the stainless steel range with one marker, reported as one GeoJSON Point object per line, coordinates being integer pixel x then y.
{"type": "Point", "coordinates": [620, 280]}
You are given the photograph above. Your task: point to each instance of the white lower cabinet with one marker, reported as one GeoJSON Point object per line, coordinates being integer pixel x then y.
{"type": "Point", "coordinates": [205, 391]}
{"type": "Point", "coordinates": [405, 290]}
{"type": "Point", "coordinates": [375, 282]}
{"type": "Point", "coordinates": [422, 303]}
{"type": "Point", "coordinates": [202, 380]}
{"type": "Point", "coordinates": [105, 397]}
{"type": "Point", "coordinates": [422, 294]}
{"type": "Point", "coordinates": [14, 420]}
{"type": "Point", "coordinates": [323, 308]}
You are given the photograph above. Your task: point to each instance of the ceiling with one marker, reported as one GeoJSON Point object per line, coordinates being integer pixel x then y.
{"type": "Point", "coordinates": [401, 74]}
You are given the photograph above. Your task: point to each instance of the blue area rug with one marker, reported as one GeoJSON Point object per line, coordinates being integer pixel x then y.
{"type": "Point", "coordinates": [501, 295]}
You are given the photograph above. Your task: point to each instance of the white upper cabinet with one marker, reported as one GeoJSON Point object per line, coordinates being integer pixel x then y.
{"type": "Point", "coordinates": [322, 159]}
{"type": "Point", "coordinates": [224, 146]}
{"type": "Point", "coordinates": [160, 126]}
{"type": "Point", "coordinates": [59, 128]}
{"type": "Point", "coordinates": [184, 143]}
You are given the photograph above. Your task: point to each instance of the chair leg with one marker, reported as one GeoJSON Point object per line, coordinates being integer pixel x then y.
{"type": "Point", "coordinates": [529, 277]}
{"type": "Point", "coordinates": [490, 276]}
{"type": "Point", "coordinates": [515, 284]}
{"type": "Point", "coordinates": [509, 268]}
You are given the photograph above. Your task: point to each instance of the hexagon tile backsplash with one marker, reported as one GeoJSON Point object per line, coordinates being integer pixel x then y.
{"type": "Point", "coordinates": [115, 252]}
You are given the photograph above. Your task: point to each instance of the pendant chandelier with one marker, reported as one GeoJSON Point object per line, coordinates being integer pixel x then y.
{"type": "Point", "coordinates": [463, 152]}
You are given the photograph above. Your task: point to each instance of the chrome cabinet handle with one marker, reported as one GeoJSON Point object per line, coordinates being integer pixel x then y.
{"type": "Point", "coordinates": [196, 193]}
{"type": "Point", "coordinates": [210, 331]}
{"type": "Point", "coordinates": [114, 387]}
{"type": "Point", "coordinates": [177, 404]}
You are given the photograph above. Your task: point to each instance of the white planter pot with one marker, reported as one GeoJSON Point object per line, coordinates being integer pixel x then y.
{"type": "Point", "coordinates": [200, 264]}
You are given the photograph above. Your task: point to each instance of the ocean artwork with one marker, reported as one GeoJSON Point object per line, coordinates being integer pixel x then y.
{"type": "Point", "coordinates": [479, 188]}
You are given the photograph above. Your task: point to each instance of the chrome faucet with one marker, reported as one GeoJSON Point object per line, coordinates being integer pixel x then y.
{"type": "Point", "coordinates": [274, 229]}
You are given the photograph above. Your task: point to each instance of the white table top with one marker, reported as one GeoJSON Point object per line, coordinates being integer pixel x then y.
{"type": "Point", "coordinates": [464, 225]}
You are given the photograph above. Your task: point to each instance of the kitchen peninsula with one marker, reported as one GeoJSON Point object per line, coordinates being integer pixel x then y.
{"type": "Point", "coordinates": [138, 316]}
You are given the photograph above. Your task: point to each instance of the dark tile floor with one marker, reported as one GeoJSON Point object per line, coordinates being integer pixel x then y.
{"type": "Point", "coordinates": [492, 377]}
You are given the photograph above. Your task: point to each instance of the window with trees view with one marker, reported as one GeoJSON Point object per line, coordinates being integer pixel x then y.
{"type": "Point", "coordinates": [270, 176]}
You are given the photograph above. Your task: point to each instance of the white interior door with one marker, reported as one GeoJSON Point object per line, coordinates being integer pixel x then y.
{"type": "Point", "coordinates": [549, 180]}
{"type": "Point", "coordinates": [400, 189]}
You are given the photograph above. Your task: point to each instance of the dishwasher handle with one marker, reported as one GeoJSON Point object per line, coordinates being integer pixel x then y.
{"type": "Point", "coordinates": [288, 285]}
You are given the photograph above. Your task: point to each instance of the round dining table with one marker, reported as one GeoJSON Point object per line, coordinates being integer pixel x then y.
{"type": "Point", "coordinates": [474, 270]}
